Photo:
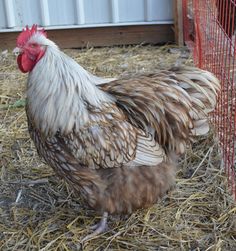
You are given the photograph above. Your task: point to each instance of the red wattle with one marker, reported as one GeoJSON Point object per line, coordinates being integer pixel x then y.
{"type": "Point", "coordinates": [19, 59]}
{"type": "Point", "coordinates": [24, 63]}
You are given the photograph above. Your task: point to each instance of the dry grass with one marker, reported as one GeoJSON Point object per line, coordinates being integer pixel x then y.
{"type": "Point", "coordinates": [39, 212]}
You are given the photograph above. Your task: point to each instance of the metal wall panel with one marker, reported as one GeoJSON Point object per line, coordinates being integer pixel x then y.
{"type": "Point", "coordinates": [161, 10]}
{"type": "Point", "coordinates": [61, 12]}
{"type": "Point", "coordinates": [3, 23]}
{"type": "Point", "coordinates": [131, 11]}
{"type": "Point", "coordinates": [25, 12]}
{"type": "Point", "coordinates": [97, 11]}
{"type": "Point", "coordinates": [15, 14]}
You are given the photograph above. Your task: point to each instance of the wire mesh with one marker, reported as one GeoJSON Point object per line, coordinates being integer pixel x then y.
{"type": "Point", "coordinates": [210, 31]}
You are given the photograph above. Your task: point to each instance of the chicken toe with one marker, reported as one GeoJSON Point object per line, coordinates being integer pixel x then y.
{"type": "Point", "coordinates": [98, 228]}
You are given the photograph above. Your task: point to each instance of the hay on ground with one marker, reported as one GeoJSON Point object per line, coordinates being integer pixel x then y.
{"type": "Point", "coordinates": [39, 212]}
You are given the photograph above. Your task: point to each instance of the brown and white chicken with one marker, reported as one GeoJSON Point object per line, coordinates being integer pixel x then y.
{"type": "Point", "coordinates": [115, 141]}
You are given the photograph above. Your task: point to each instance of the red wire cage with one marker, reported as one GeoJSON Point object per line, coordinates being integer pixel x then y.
{"type": "Point", "coordinates": [210, 32]}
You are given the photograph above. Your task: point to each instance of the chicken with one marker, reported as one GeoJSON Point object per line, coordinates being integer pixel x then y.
{"type": "Point", "coordinates": [115, 141]}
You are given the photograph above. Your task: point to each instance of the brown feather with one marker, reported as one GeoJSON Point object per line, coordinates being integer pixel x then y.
{"type": "Point", "coordinates": [123, 158]}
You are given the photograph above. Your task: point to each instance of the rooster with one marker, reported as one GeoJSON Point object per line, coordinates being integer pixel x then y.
{"type": "Point", "coordinates": [115, 141]}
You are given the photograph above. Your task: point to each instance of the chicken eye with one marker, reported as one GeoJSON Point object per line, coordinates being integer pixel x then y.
{"type": "Point", "coordinates": [33, 45]}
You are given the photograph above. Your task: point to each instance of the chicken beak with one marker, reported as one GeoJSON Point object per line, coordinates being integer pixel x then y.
{"type": "Point", "coordinates": [17, 51]}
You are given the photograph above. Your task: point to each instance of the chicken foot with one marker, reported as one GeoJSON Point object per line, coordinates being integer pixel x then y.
{"type": "Point", "coordinates": [98, 228]}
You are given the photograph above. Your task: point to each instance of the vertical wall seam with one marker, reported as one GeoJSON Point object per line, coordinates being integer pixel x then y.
{"type": "Point", "coordinates": [44, 12]}
{"type": "Point", "coordinates": [80, 15]}
{"type": "Point", "coordinates": [147, 10]}
{"type": "Point", "coordinates": [10, 15]}
{"type": "Point", "coordinates": [115, 11]}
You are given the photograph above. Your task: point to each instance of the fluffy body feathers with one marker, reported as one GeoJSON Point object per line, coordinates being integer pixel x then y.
{"type": "Point", "coordinates": [115, 140]}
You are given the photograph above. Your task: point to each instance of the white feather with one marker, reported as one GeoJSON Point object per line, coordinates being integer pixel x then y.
{"type": "Point", "coordinates": [58, 88]}
{"type": "Point", "coordinates": [148, 152]}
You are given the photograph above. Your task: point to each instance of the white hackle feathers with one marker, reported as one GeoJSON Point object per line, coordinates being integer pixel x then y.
{"type": "Point", "coordinates": [59, 90]}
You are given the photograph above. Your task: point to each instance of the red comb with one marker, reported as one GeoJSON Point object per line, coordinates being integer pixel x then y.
{"type": "Point", "coordinates": [27, 33]}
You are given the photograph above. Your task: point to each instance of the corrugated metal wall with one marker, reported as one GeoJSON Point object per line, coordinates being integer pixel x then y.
{"type": "Point", "coordinates": [15, 14]}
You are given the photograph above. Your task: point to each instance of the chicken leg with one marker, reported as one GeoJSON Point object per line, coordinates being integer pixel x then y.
{"type": "Point", "coordinates": [98, 228]}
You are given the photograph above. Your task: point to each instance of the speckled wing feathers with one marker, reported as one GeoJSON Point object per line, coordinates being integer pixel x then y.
{"type": "Point", "coordinates": [113, 142]}
{"type": "Point", "coordinates": [153, 114]}
{"type": "Point", "coordinates": [108, 141]}
{"type": "Point", "coordinates": [174, 103]}
{"type": "Point", "coordinates": [148, 152]}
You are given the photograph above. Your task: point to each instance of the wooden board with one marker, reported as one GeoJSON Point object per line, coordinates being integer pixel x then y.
{"type": "Point", "coordinates": [178, 22]}
{"type": "Point", "coordinates": [101, 36]}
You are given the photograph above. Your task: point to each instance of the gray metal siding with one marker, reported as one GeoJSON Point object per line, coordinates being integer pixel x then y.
{"type": "Point", "coordinates": [163, 11]}
{"type": "Point", "coordinates": [132, 10]}
{"type": "Point", "coordinates": [61, 12]}
{"type": "Point", "coordinates": [25, 11]}
{"type": "Point", "coordinates": [3, 22]}
{"type": "Point", "coordinates": [15, 14]}
{"type": "Point", "coordinates": [97, 11]}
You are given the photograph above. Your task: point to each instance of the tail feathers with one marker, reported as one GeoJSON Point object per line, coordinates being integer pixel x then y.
{"type": "Point", "coordinates": [200, 127]}
{"type": "Point", "coordinates": [203, 88]}
{"type": "Point", "coordinates": [175, 103]}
